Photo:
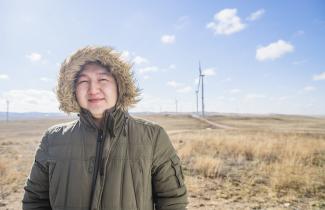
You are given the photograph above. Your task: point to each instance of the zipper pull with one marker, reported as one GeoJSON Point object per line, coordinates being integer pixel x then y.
{"type": "Point", "coordinates": [100, 135]}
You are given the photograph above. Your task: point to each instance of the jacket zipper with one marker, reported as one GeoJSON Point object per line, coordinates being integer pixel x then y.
{"type": "Point", "coordinates": [98, 160]}
{"type": "Point", "coordinates": [101, 189]}
{"type": "Point", "coordinates": [108, 155]}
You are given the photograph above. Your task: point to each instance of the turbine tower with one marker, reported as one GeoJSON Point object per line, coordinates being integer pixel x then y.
{"type": "Point", "coordinates": [197, 94]}
{"type": "Point", "coordinates": [202, 77]}
{"type": "Point", "coordinates": [197, 101]}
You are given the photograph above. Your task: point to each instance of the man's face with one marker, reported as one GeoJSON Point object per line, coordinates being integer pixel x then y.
{"type": "Point", "coordinates": [96, 90]}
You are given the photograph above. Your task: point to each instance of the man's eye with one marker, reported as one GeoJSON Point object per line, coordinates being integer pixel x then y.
{"type": "Point", "coordinates": [103, 80]}
{"type": "Point", "coordinates": [82, 81]}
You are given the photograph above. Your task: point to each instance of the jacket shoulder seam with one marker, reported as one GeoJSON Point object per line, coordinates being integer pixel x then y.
{"type": "Point", "coordinates": [146, 122]}
{"type": "Point", "coordinates": [61, 126]}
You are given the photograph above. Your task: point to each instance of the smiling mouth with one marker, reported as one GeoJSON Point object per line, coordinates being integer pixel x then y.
{"type": "Point", "coordinates": [95, 100]}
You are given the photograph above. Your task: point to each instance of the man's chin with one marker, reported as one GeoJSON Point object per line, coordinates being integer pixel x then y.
{"type": "Point", "coordinates": [97, 114]}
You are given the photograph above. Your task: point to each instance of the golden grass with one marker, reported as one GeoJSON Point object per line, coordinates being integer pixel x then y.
{"type": "Point", "coordinates": [286, 164]}
{"type": "Point", "coordinates": [208, 166]}
{"type": "Point", "coordinates": [9, 178]}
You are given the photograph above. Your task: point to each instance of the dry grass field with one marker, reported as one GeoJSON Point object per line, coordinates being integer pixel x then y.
{"type": "Point", "coordinates": [264, 162]}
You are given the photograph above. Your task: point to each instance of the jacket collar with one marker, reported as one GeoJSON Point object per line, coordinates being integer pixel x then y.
{"type": "Point", "coordinates": [114, 120]}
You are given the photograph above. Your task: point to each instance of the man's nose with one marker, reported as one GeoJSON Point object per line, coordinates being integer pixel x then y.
{"type": "Point", "coordinates": [93, 87]}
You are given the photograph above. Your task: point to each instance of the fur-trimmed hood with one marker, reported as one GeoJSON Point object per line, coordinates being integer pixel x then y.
{"type": "Point", "coordinates": [127, 91]}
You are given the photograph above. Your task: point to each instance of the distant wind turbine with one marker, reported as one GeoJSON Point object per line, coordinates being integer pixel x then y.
{"type": "Point", "coordinates": [201, 77]}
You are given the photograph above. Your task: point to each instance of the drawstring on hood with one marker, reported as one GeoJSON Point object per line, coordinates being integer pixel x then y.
{"type": "Point", "coordinates": [128, 93]}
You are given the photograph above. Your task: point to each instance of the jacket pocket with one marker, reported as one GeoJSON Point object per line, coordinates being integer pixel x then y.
{"type": "Point", "coordinates": [176, 165]}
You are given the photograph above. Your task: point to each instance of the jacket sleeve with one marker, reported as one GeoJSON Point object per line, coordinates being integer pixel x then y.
{"type": "Point", "coordinates": [169, 191]}
{"type": "Point", "coordinates": [37, 186]}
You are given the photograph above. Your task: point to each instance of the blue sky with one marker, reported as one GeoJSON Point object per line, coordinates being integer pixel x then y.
{"type": "Point", "coordinates": [258, 56]}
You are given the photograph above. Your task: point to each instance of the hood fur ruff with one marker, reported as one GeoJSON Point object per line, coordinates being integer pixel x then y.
{"type": "Point", "coordinates": [127, 91]}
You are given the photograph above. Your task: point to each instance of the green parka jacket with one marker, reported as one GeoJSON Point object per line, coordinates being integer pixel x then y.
{"type": "Point", "coordinates": [140, 167]}
{"type": "Point", "coordinates": [127, 164]}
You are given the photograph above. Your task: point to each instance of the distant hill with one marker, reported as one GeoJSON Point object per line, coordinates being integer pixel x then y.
{"type": "Point", "coordinates": [53, 115]}
{"type": "Point", "coordinates": [31, 115]}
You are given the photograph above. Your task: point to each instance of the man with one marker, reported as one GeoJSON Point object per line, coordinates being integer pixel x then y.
{"type": "Point", "coordinates": [105, 160]}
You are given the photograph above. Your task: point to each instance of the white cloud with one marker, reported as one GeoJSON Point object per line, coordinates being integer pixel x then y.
{"type": "Point", "coordinates": [168, 39]}
{"type": "Point", "coordinates": [4, 77]}
{"type": "Point", "coordinates": [256, 15]}
{"type": "Point", "coordinates": [184, 89]}
{"type": "Point", "coordinates": [31, 100]}
{"type": "Point", "coordinates": [274, 50]}
{"type": "Point", "coordinates": [148, 69]}
{"type": "Point", "coordinates": [320, 76]}
{"type": "Point", "coordinates": [34, 57]}
{"type": "Point", "coordinates": [309, 88]}
{"type": "Point", "coordinates": [226, 22]}
{"type": "Point", "coordinates": [235, 91]}
{"type": "Point", "coordinates": [209, 72]}
{"type": "Point", "coordinates": [253, 96]}
{"type": "Point", "coordinates": [131, 57]}
{"type": "Point", "coordinates": [174, 84]}
{"type": "Point", "coordinates": [140, 60]}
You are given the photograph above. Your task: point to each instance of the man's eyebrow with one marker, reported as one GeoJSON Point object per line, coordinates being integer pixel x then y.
{"type": "Point", "coordinates": [105, 73]}
{"type": "Point", "coordinates": [81, 75]}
